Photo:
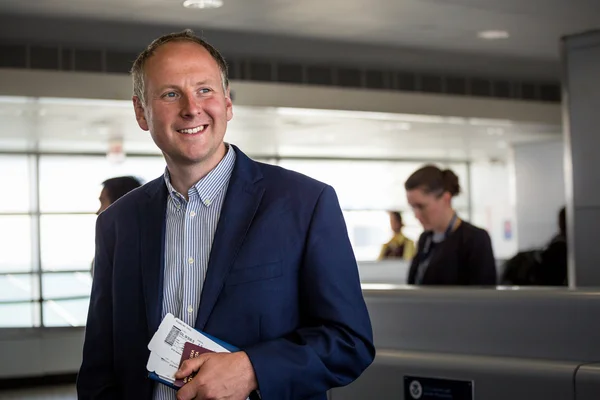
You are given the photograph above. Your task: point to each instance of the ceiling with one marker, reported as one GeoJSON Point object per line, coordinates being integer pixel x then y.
{"type": "Point", "coordinates": [77, 125]}
{"type": "Point", "coordinates": [535, 27]}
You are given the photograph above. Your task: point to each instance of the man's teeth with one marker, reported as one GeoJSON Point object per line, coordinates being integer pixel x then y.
{"type": "Point", "coordinates": [193, 130]}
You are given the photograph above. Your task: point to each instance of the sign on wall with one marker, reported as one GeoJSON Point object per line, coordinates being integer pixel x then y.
{"type": "Point", "coordinates": [421, 388]}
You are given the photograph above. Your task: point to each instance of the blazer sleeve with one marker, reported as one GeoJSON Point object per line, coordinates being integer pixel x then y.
{"type": "Point", "coordinates": [334, 345]}
{"type": "Point", "coordinates": [480, 260]}
{"type": "Point", "coordinates": [96, 378]}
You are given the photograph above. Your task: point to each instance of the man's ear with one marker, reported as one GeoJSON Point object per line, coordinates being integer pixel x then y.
{"type": "Point", "coordinates": [228, 105]}
{"type": "Point", "coordinates": [140, 114]}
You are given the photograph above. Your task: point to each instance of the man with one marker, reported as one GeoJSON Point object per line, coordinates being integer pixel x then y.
{"type": "Point", "coordinates": [399, 246]}
{"type": "Point", "coordinates": [112, 190]}
{"type": "Point", "coordinates": [115, 188]}
{"type": "Point", "coordinates": [252, 254]}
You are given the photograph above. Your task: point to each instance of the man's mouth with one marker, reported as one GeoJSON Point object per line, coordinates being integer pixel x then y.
{"type": "Point", "coordinates": [191, 131]}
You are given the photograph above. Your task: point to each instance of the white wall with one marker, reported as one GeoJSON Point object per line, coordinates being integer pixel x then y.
{"type": "Point", "coordinates": [493, 205]}
{"type": "Point", "coordinates": [540, 184]}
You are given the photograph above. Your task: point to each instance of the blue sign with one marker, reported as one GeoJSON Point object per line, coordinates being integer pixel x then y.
{"type": "Point", "coordinates": [420, 388]}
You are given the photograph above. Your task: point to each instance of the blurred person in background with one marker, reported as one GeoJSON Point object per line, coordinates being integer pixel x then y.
{"type": "Point", "coordinates": [115, 188]}
{"type": "Point", "coordinates": [112, 190]}
{"type": "Point", "coordinates": [450, 251]}
{"type": "Point", "coordinates": [545, 267]}
{"type": "Point", "coordinates": [552, 270]}
{"type": "Point", "coordinates": [399, 245]}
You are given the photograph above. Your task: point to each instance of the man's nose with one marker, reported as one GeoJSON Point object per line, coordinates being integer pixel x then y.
{"type": "Point", "coordinates": [190, 106]}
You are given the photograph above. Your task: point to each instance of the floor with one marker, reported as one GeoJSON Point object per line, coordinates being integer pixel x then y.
{"type": "Point", "coordinates": [63, 392]}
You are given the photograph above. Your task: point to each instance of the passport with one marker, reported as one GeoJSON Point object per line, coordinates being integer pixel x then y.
{"type": "Point", "coordinates": [190, 351]}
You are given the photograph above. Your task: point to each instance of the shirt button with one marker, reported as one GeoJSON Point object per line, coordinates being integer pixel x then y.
{"type": "Point", "coordinates": [190, 309]}
{"type": "Point", "coordinates": [190, 260]}
{"type": "Point", "coordinates": [207, 202]}
{"type": "Point", "coordinates": [192, 213]}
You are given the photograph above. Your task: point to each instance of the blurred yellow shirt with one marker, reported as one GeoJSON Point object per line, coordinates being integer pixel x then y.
{"type": "Point", "coordinates": [398, 247]}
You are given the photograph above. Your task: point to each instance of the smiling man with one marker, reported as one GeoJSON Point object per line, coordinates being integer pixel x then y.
{"type": "Point", "coordinates": [253, 254]}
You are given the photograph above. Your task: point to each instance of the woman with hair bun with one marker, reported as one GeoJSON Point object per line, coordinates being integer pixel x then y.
{"type": "Point", "coordinates": [450, 251]}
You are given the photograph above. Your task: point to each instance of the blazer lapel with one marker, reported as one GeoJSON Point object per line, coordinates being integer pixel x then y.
{"type": "Point", "coordinates": [239, 208]}
{"type": "Point", "coordinates": [152, 224]}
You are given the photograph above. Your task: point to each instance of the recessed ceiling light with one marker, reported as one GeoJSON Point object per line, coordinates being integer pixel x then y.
{"type": "Point", "coordinates": [202, 3]}
{"type": "Point", "coordinates": [493, 35]}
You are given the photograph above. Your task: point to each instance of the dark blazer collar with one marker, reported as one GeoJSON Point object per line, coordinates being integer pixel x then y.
{"type": "Point", "coordinates": [241, 202]}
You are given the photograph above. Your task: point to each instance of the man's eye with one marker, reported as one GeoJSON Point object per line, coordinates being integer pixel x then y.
{"type": "Point", "coordinates": [170, 94]}
{"type": "Point", "coordinates": [204, 90]}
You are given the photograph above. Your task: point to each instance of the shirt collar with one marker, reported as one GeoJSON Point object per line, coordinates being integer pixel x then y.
{"type": "Point", "coordinates": [208, 187]}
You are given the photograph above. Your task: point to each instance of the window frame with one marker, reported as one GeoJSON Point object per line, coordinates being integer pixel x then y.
{"type": "Point", "coordinates": [35, 214]}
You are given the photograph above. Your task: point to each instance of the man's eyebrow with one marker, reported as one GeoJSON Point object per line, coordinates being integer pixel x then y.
{"type": "Point", "coordinates": [167, 86]}
{"type": "Point", "coordinates": [205, 82]}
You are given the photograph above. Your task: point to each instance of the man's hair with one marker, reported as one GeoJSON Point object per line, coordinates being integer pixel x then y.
{"type": "Point", "coordinates": [137, 70]}
{"type": "Point", "coordinates": [120, 186]}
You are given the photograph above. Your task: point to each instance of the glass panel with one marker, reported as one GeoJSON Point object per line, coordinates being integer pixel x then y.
{"type": "Point", "coordinates": [371, 185]}
{"type": "Point", "coordinates": [19, 315]}
{"type": "Point", "coordinates": [15, 243]}
{"type": "Point", "coordinates": [19, 287]}
{"type": "Point", "coordinates": [67, 242]}
{"type": "Point", "coordinates": [494, 206]}
{"type": "Point", "coordinates": [360, 185]}
{"type": "Point", "coordinates": [68, 284]}
{"type": "Point", "coordinates": [16, 183]}
{"type": "Point", "coordinates": [66, 312]}
{"type": "Point", "coordinates": [369, 230]}
{"type": "Point", "coordinates": [85, 175]}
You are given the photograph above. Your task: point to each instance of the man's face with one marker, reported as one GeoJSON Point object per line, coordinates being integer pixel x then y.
{"type": "Point", "coordinates": [104, 201]}
{"type": "Point", "coordinates": [186, 108]}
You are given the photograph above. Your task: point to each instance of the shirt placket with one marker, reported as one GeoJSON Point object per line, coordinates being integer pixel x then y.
{"type": "Point", "coordinates": [191, 260]}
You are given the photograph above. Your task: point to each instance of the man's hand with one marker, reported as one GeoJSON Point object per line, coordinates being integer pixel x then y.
{"type": "Point", "coordinates": [220, 376]}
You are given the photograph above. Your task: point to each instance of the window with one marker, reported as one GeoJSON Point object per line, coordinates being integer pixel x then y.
{"type": "Point", "coordinates": [368, 189]}
{"type": "Point", "coordinates": [85, 175]}
{"type": "Point", "coordinates": [48, 222]}
{"type": "Point", "coordinates": [67, 241]}
{"type": "Point", "coordinates": [16, 196]}
{"type": "Point", "coordinates": [371, 185]}
{"type": "Point", "coordinates": [46, 251]}
{"type": "Point", "coordinates": [369, 230]}
{"type": "Point", "coordinates": [19, 284]}
{"type": "Point", "coordinates": [15, 243]}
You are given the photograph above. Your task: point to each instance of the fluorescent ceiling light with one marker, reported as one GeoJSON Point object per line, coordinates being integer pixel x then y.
{"type": "Point", "coordinates": [379, 116]}
{"type": "Point", "coordinates": [493, 35]}
{"type": "Point", "coordinates": [15, 100]}
{"type": "Point", "coordinates": [391, 117]}
{"type": "Point", "coordinates": [65, 101]}
{"type": "Point", "coordinates": [203, 4]}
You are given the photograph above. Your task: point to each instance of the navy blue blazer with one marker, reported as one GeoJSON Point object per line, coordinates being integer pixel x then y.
{"type": "Point", "coordinates": [282, 284]}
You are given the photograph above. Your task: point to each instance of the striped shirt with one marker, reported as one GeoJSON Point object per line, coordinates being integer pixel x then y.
{"type": "Point", "coordinates": [190, 230]}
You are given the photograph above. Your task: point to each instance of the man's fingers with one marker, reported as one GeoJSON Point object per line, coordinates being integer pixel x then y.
{"type": "Point", "coordinates": [186, 393]}
{"type": "Point", "coordinates": [190, 366]}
